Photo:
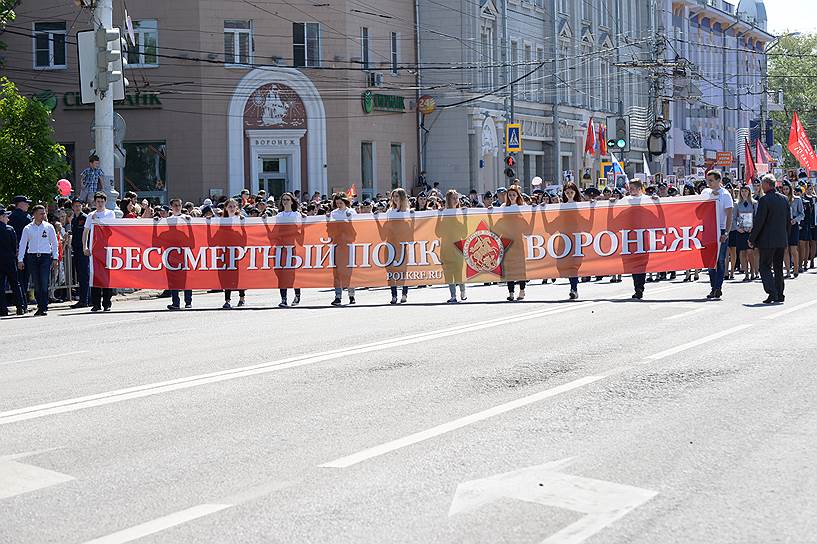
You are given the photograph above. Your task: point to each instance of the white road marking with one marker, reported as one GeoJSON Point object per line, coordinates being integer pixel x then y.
{"type": "Point", "coordinates": [602, 502]}
{"type": "Point", "coordinates": [18, 478]}
{"type": "Point", "coordinates": [684, 314]}
{"type": "Point", "coordinates": [52, 356]}
{"type": "Point", "coordinates": [791, 310]}
{"type": "Point", "coordinates": [110, 397]}
{"type": "Point", "coordinates": [159, 524]}
{"type": "Point", "coordinates": [695, 343]}
{"type": "Point", "coordinates": [359, 457]}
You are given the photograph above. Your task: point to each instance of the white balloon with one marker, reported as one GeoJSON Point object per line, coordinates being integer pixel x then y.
{"type": "Point", "coordinates": [536, 181]}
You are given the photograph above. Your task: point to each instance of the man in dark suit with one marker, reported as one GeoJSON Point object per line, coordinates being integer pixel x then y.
{"type": "Point", "coordinates": [8, 264]}
{"type": "Point", "coordinates": [770, 234]}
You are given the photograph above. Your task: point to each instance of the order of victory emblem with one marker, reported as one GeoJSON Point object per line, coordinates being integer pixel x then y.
{"type": "Point", "coordinates": [483, 251]}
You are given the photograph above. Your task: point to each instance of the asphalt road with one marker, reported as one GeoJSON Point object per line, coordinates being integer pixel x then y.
{"type": "Point", "coordinates": [602, 421]}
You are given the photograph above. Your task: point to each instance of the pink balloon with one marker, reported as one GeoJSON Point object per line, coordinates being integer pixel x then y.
{"type": "Point", "coordinates": [64, 187]}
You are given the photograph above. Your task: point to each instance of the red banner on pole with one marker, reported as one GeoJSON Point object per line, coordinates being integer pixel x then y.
{"type": "Point", "coordinates": [800, 146]}
{"type": "Point", "coordinates": [423, 248]}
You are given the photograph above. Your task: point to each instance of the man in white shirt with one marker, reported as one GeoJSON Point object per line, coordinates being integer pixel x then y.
{"type": "Point", "coordinates": [100, 296]}
{"type": "Point", "coordinates": [724, 209]}
{"type": "Point", "coordinates": [38, 253]}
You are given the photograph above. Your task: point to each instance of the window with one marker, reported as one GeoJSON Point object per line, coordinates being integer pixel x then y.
{"type": "Point", "coordinates": [365, 48]}
{"type": "Point", "coordinates": [587, 10]}
{"type": "Point", "coordinates": [238, 42]}
{"type": "Point", "coordinates": [396, 165]}
{"type": "Point", "coordinates": [367, 167]}
{"type": "Point", "coordinates": [146, 168]}
{"type": "Point", "coordinates": [49, 45]}
{"type": "Point", "coordinates": [306, 38]}
{"type": "Point", "coordinates": [528, 81]}
{"type": "Point", "coordinates": [143, 51]}
{"type": "Point", "coordinates": [395, 56]}
{"type": "Point", "coordinates": [487, 54]}
{"type": "Point", "coordinates": [604, 13]}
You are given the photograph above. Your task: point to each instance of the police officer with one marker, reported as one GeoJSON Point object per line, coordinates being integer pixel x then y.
{"type": "Point", "coordinates": [82, 263]}
{"type": "Point", "coordinates": [8, 264]}
{"type": "Point", "coordinates": [18, 220]}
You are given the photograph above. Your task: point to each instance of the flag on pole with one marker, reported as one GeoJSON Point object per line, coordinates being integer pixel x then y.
{"type": "Point", "coordinates": [750, 163]}
{"type": "Point", "coordinates": [616, 165]}
{"type": "Point", "coordinates": [646, 165]}
{"type": "Point", "coordinates": [800, 146]}
{"type": "Point", "coordinates": [762, 155]}
{"type": "Point", "coordinates": [590, 141]}
{"type": "Point", "coordinates": [602, 140]}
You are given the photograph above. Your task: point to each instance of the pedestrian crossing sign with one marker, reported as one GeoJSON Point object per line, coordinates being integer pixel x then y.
{"type": "Point", "coordinates": [513, 138]}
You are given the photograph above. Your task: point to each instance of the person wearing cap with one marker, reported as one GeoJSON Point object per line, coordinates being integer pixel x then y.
{"type": "Point", "coordinates": [488, 200]}
{"type": "Point", "coordinates": [8, 264]}
{"type": "Point", "coordinates": [499, 197]}
{"type": "Point", "coordinates": [100, 296]}
{"type": "Point", "coordinates": [81, 262]}
{"type": "Point", "coordinates": [18, 220]}
{"type": "Point", "coordinates": [39, 252]}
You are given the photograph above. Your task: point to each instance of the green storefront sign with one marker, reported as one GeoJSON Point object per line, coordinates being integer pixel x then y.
{"type": "Point", "coordinates": [382, 102]}
{"type": "Point", "coordinates": [141, 101]}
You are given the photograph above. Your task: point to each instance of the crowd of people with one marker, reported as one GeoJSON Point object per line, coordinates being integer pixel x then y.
{"type": "Point", "coordinates": [754, 241]}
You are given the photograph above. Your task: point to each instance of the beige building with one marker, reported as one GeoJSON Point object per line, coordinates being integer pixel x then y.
{"type": "Point", "coordinates": [228, 95]}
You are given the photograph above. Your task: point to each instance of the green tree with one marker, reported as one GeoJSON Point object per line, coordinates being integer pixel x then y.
{"type": "Point", "coordinates": [6, 16]}
{"type": "Point", "coordinates": [31, 161]}
{"type": "Point", "coordinates": [793, 69]}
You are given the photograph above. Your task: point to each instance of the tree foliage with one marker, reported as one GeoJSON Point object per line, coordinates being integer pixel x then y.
{"type": "Point", "coordinates": [793, 69]}
{"type": "Point", "coordinates": [31, 161]}
{"type": "Point", "coordinates": [6, 16]}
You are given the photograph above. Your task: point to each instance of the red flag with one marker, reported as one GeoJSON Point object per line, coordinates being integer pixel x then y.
{"type": "Point", "coordinates": [800, 146]}
{"type": "Point", "coordinates": [352, 191]}
{"type": "Point", "coordinates": [590, 142]}
{"type": "Point", "coordinates": [762, 156]}
{"type": "Point", "coordinates": [750, 163]}
{"type": "Point", "coordinates": [603, 139]}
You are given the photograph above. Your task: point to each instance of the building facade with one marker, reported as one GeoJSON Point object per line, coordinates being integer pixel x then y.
{"type": "Point", "coordinates": [227, 95]}
{"type": "Point", "coordinates": [719, 97]}
{"type": "Point", "coordinates": [567, 49]}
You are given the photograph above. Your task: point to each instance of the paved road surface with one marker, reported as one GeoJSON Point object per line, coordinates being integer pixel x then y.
{"type": "Point", "coordinates": [600, 421]}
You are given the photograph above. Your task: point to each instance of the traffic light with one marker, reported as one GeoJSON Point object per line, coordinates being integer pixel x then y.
{"type": "Point", "coordinates": [510, 162]}
{"type": "Point", "coordinates": [622, 138]}
{"type": "Point", "coordinates": [108, 51]}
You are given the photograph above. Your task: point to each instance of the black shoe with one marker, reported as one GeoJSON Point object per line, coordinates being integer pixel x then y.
{"type": "Point", "coordinates": [106, 309]}
{"type": "Point", "coordinates": [38, 313]}
{"type": "Point", "coordinates": [718, 294]}
{"type": "Point", "coordinates": [96, 309]}
{"type": "Point", "coordinates": [769, 300]}
{"type": "Point", "coordinates": [4, 314]}
{"type": "Point", "coordinates": [336, 302]}
{"type": "Point", "coordinates": [711, 295]}
{"type": "Point", "coordinates": [20, 310]}
{"type": "Point", "coordinates": [351, 300]}
{"type": "Point", "coordinates": [78, 305]}
{"type": "Point", "coordinates": [781, 299]}
{"type": "Point", "coordinates": [173, 307]}
{"type": "Point", "coordinates": [638, 295]}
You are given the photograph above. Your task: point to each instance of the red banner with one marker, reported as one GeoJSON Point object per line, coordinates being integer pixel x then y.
{"type": "Point", "coordinates": [423, 248]}
{"type": "Point", "coordinates": [800, 146]}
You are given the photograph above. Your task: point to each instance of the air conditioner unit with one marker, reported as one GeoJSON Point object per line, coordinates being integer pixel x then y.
{"type": "Point", "coordinates": [376, 79]}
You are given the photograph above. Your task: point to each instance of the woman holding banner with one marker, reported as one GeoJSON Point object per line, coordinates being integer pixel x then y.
{"type": "Point", "coordinates": [287, 232]}
{"type": "Point", "coordinates": [341, 230]}
{"type": "Point", "coordinates": [396, 229]}
{"type": "Point", "coordinates": [227, 236]}
{"type": "Point", "coordinates": [571, 195]}
{"type": "Point", "coordinates": [514, 225]}
{"type": "Point", "coordinates": [451, 229]}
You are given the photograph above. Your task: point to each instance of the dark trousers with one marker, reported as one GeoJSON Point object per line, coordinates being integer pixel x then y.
{"type": "Point", "coordinates": [771, 271]}
{"type": "Point", "coordinates": [283, 293]}
{"type": "Point", "coordinates": [101, 297]}
{"type": "Point", "coordinates": [228, 292]}
{"type": "Point", "coordinates": [82, 267]}
{"type": "Point", "coordinates": [574, 284]}
{"type": "Point", "coordinates": [39, 270]}
{"type": "Point", "coordinates": [174, 297]}
{"type": "Point", "coordinates": [512, 285]}
{"type": "Point", "coordinates": [8, 274]}
{"type": "Point", "coordinates": [639, 281]}
{"type": "Point", "coordinates": [394, 291]}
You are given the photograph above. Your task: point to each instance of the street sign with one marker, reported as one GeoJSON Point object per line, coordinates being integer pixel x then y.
{"type": "Point", "coordinates": [724, 159]}
{"type": "Point", "coordinates": [513, 138]}
{"type": "Point", "coordinates": [606, 167]}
